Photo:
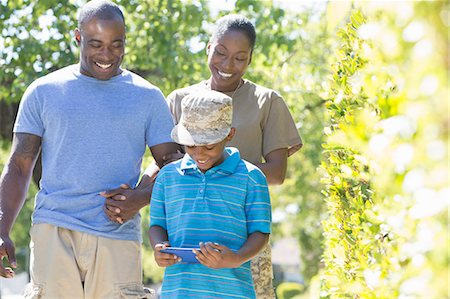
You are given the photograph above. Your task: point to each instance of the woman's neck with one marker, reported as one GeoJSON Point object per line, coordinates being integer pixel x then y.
{"type": "Point", "coordinates": [231, 88]}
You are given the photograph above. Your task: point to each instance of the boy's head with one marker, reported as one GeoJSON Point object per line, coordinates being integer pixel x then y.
{"type": "Point", "coordinates": [205, 127]}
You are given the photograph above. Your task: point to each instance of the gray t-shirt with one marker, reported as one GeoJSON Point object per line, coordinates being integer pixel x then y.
{"type": "Point", "coordinates": [94, 134]}
{"type": "Point", "coordinates": [262, 120]}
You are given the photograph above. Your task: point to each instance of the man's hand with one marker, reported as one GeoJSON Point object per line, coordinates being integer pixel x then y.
{"type": "Point", "coordinates": [217, 256]}
{"type": "Point", "coordinates": [124, 203]}
{"type": "Point", "coordinates": [164, 259]}
{"type": "Point", "coordinates": [7, 250]}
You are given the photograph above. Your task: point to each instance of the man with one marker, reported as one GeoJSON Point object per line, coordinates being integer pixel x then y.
{"type": "Point", "coordinates": [92, 122]}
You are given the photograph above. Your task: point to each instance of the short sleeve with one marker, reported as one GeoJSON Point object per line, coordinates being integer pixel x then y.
{"type": "Point", "coordinates": [160, 122]}
{"type": "Point", "coordinates": [174, 103]}
{"type": "Point", "coordinates": [257, 205]}
{"type": "Point", "coordinates": [29, 116]}
{"type": "Point", "coordinates": [157, 203]}
{"type": "Point", "coordinates": [280, 130]}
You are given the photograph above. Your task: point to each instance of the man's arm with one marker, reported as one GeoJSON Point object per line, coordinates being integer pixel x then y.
{"type": "Point", "coordinates": [14, 183]}
{"type": "Point", "coordinates": [166, 152]}
{"type": "Point", "coordinates": [123, 203]}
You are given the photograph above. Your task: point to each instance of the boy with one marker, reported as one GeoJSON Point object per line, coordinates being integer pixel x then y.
{"type": "Point", "coordinates": [210, 199]}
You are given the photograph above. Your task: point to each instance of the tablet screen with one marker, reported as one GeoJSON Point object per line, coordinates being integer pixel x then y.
{"type": "Point", "coordinates": [186, 254]}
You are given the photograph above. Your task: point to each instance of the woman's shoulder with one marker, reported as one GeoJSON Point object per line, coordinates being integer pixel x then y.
{"type": "Point", "coordinates": [260, 90]}
{"type": "Point", "coordinates": [182, 92]}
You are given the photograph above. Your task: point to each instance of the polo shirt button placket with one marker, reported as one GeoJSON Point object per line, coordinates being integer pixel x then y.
{"type": "Point", "coordinates": [202, 188]}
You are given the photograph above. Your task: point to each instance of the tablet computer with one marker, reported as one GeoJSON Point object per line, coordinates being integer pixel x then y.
{"type": "Point", "coordinates": [186, 254]}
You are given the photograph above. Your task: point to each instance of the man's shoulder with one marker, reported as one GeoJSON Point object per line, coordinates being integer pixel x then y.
{"type": "Point", "coordinates": [138, 81]}
{"type": "Point", "coordinates": [64, 74]}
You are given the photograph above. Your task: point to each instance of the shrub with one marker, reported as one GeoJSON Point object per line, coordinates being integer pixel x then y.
{"type": "Point", "coordinates": [288, 290]}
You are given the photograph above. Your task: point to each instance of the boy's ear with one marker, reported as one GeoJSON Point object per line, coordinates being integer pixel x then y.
{"type": "Point", "coordinates": [231, 134]}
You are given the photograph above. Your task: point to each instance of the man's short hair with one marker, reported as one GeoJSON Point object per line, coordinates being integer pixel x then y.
{"type": "Point", "coordinates": [102, 9]}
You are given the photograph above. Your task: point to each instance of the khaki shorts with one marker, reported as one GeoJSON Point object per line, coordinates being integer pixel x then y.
{"type": "Point", "coordinates": [262, 274]}
{"type": "Point", "coordinates": [70, 264]}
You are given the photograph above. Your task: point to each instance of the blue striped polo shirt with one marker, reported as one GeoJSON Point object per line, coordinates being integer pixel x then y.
{"type": "Point", "coordinates": [225, 205]}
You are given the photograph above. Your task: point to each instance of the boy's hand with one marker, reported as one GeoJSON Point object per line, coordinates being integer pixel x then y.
{"type": "Point", "coordinates": [216, 256]}
{"type": "Point", "coordinates": [164, 259]}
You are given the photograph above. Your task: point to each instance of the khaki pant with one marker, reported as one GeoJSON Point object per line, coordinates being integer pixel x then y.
{"type": "Point", "coordinates": [262, 274]}
{"type": "Point", "coordinates": [70, 264]}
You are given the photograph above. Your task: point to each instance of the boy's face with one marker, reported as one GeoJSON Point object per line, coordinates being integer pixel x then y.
{"type": "Point", "coordinates": [102, 47]}
{"type": "Point", "coordinates": [208, 156]}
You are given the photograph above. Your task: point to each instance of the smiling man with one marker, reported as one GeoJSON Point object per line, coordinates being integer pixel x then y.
{"type": "Point", "coordinates": [101, 38]}
{"type": "Point", "coordinates": [92, 121]}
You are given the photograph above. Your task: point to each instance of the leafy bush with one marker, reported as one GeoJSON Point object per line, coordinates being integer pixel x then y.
{"type": "Point", "coordinates": [287, 290]}
{"type": "Point", "coordinates": [386, 189]}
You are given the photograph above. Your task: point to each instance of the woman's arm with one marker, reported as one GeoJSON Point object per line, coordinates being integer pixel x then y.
{"type": "Point", "coordinates": [275, 166]}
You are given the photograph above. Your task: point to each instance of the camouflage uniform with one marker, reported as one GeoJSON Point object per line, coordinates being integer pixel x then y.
{"type": "Point", "coordinates": [263, 274]}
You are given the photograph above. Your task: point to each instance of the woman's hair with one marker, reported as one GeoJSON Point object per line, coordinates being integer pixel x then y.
{"type": "Point", "coordinates": [233, 22]}
{"type": "Point", "coordinates": [103, 9]}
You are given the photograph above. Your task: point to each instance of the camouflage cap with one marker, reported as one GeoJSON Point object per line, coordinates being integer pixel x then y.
{"type": "Point", "coordinates": [205, 118]}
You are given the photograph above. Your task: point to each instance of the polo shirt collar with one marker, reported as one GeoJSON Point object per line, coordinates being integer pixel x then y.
{"type": "Point", "coordinates": [228, 166]}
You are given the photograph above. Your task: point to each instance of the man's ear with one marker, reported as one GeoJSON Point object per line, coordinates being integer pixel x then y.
{"type": "Point", "coordinates": [77, 36]}
{"type": "Point", "coordinates": [208, 47]}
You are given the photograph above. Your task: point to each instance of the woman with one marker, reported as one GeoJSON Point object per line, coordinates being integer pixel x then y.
{"type": "Point", "coordinates": [266, 134]}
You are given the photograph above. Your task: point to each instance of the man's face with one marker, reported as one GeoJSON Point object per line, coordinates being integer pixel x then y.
{"type": "Point", "coordinates": [102, 47]}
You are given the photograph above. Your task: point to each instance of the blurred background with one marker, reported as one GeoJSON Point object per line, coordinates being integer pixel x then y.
{"type": "Point", "coordinates": [364, 211]}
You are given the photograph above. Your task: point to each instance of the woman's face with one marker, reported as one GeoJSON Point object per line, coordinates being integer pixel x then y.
{"type": "Point", "coordinates": [228, 59]}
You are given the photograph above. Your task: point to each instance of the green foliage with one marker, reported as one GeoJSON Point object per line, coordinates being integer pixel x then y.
{"type": "Point", "coordinates": [381, 200]}
{"type": "Point", "coordinates": [351, 226]}
{"type": "Point", "coordinates": [288, 290]}
{"type": "Point", "coordinates": [163, 37]}
{"type": "Point", "coordinates": [33, 45]}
